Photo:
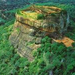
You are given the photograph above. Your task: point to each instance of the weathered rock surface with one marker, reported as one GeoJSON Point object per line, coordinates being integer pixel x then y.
{"type": "Point", "coordinates": [33, 24]}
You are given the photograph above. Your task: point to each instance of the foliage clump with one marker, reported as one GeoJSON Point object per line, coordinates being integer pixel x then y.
{"type": "Point", "coordinates": [41, 16]}
{"type": "Point", "coordinates": [50, 57]}
{"type": "Point", "coordinates": [73, 44]}
{"type": "Point", "coordinates": [53, 57]}
{"type": "Point", "coordinates": [10, 62]}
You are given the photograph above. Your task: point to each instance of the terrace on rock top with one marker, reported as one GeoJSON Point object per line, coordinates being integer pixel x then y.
{"type": "Point", "coordinates": [45, 18]}
{"type": "Point", "coordinates": [34, 23]}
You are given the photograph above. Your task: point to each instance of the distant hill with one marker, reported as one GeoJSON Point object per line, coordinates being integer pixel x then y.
{"type": "Point", "coordinates": [12, 4]}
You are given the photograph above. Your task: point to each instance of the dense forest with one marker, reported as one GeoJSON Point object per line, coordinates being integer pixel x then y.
{"type": "Point", "coordinates": [51, 58]}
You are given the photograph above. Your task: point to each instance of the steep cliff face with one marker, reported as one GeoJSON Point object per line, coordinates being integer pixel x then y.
{"type": "Point", "coordinates": [44, 17]}
{"type": "Point", "coordinates": [33, 24]}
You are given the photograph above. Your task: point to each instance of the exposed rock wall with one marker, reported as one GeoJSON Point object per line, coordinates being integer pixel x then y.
{"type": "Point", "coordinates": [26, 39]}
{"type": "Point", "coordinates": [29, 30]}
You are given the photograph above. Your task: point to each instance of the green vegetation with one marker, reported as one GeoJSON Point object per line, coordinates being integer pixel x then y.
{"type": "Point", "coordinates": [6, 17]}
{"type": "Point", "coordinates": [53, 57]}
{"type": "Point", "coordinates": [50, 57]}
{"type": "Point", "coordinates": [41, 16]}
{"type": "Point", "coordinates": [73, 44]}
{"type": "Point", "coordinates": [53, 14]}
{"type": "Point", "coordinates": [11, 63]}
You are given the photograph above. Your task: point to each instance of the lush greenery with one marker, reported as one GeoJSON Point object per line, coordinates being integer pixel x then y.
{"type": "Point", "coordinates": [10, 62]}
{"type": "Point", "coordinates": [53, 57]}
{"type": "Point", "coordinates": [50, 58]}
{"type": "Point", "coordinates": [41, 16]}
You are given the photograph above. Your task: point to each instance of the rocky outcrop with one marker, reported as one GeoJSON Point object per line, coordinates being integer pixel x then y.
{"type": "Point", "coordinates": [33, 24]}
{"type": "Point", "coordinates": [25, 39]}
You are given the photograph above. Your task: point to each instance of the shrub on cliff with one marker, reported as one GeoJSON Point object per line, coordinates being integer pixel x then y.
{"type": "Point", "coordinates": [41, 16]}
